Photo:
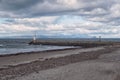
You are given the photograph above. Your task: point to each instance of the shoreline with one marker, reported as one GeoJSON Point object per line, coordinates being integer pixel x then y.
{"type": "Point", "coordinates": [16, 59]}
{"type": "Point", "coordinates": [49, 63]}
{"type": "Point", "coordinates": [31, 52]}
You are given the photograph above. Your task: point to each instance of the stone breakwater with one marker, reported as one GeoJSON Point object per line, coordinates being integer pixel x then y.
{"type": "Point", "coordinates": [84, 44]}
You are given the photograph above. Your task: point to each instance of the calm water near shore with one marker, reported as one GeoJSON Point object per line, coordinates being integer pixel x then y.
{"type": "Point", "coordinates": [12, 46]}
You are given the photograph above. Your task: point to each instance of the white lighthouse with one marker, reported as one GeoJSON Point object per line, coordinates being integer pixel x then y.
{"type": "Point", "coordinates": [34, 38]}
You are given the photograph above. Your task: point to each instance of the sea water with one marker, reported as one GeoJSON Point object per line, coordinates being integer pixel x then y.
{"type": "Point", "coordinates": [13, 46]}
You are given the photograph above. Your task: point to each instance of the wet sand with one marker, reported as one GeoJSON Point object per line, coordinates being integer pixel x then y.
{"type": "Point", "coordinates": [73, 64]}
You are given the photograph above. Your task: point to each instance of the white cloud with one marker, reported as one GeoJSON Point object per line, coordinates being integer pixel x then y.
{"type": "Point", "coordinates": [98, 19]}
{"type": "Point", "coordinates": [65, 17]}
{"type": "Point", "coordinates": [115, 10]}
{"type": "Point", "coordinates": [7, 28]}
{"type": "Point", "coordinates": [68, 2]}
{"type": "Point", "coordinates": [54, 27]}
{"type": "Point", "coordinates": [96, 11]}
{"type": "Point", "coordinates": [47, 19]}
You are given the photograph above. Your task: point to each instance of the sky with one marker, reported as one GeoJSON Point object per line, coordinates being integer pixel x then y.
{"type": "Point", "coordinates": [60, 18]}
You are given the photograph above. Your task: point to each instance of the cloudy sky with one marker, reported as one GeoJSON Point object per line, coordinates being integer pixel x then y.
{"type": "Point", "coordinates": [60, 18]}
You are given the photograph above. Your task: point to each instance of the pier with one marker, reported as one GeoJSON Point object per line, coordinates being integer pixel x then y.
{"type": "Point", "coordinates": [84, 44]}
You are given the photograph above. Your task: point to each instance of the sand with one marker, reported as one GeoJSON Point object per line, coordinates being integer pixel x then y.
{"type": "Point", "coordinates": [6, 61]}
{"type": "Point", "coordinates": [102, 68]}
{"type": "Point", "coordinates": [76, 64]}
{"type": "Point", "coordinates": [89, 70]}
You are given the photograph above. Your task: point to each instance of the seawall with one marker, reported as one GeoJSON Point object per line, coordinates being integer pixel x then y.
{"type": "Point", "coordinates": [84, 44]}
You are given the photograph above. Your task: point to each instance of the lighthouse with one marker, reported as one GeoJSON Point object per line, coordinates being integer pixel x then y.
{"type": "Point", "coordinates": [34, 38]}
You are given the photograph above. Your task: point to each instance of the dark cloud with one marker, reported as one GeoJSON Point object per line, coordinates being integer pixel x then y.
{"type": "Point", "coordinates": [32, 8]}
{"type": "Point", "coordinates": [17, 4]}
{"type": "Point", "coordinates": [86, 8]}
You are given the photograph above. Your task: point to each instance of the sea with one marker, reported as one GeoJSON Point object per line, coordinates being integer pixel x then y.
{"type": "Point", "coordinates": [13, 46]}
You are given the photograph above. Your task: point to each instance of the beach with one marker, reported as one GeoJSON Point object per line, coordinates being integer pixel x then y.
{"type": "Point", "coordinates": [98, 63]}
{"type": "Point", "coordinates": [59, 39]}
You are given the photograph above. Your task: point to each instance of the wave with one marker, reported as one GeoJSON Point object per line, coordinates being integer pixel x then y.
{"type": "Point", "coordinates": [1, 45]}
